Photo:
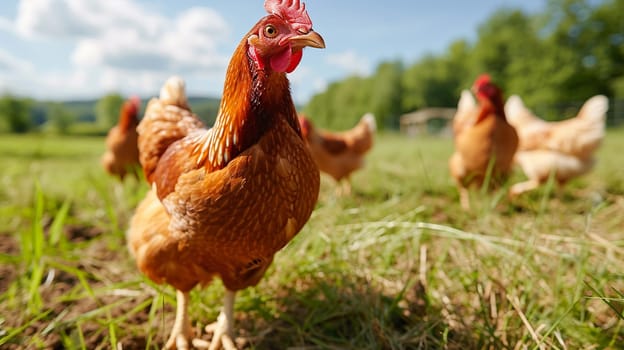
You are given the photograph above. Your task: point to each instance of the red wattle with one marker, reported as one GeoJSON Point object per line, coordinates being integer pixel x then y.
{"type": "Point", "coordinates": [256, 57]}
{"type": "Point", "coordinates": [294, 61]}
{"type": "Point", "coordinates": [281, 61]}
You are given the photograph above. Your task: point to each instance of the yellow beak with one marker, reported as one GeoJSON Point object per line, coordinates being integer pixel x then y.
{"type": "Point", "coordinates": [311, 39]}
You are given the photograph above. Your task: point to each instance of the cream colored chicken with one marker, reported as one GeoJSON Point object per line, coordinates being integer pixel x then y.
{"type": "Point", "coordinates": [565, 148]}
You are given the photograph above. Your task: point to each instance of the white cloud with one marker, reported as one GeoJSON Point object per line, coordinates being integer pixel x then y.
{"type": "Point", "coordinates": [195, 38]}
{"type": "Point", "coordinates": [119, 45]}
{"type": "Point", "coordinates": [120, 34]}
{"type": "Point", "coordinates": [350, 61]}
{"type": "Point", "coordinates": [10, 63]}
{"type": "Point", "coordinates": [81, 18]}
{"type": "Point", "coordinates": [6, 25]}
{"type": "Point", "coordinates": [50, 18]}
{"type": "Point", "coordinates": [81, 83]}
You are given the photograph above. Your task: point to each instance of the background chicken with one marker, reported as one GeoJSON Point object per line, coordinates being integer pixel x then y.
{"type": "Point", "coordinates": [340, 153]}
{"type": "Point", "coordinates": [122, 153]}
{"type": "Point", "coordinates": [484, 140]}
{"type": "Point", "coordinates": [225, 200]}
{"type": "Point", "coordinates": [565, 148]}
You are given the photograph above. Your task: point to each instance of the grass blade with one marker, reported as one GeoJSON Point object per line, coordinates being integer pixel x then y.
{"type": "Point", "coordinates": [56, 229]}
{"type": "Point", "coordinates": [16, 331]}
{"type": "Point", "coordinates": [606, 300]}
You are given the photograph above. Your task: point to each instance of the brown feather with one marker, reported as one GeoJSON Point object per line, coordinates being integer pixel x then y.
{"type": "Point", "coordinates": [339, 153]}
{"type": "Point", "coordinates": [122, 154]}
{"type": "Point", "coordinates": [489, 138]}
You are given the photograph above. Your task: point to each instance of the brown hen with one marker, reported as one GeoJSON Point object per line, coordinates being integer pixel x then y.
{"type": "Point", "coordinates": [339, 154]}
{"type": "Point", "coordinates": [225, 200]}
{"type": "Point", "coordinates": [122, 153]}
{"type": "Point", "coordinates": [485, 143]}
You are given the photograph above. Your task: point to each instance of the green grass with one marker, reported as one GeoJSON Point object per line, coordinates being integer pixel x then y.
{"type": "Point", "coordinates": [396, 265]}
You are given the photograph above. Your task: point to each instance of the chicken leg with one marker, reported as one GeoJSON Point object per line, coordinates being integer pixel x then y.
{"type": "Point", "coordinates": [464, 198]}
{"type": "Point", "coordinates": [343, 187]}
{"type": "Point", "coordinates": [182, 331]}
{"type": "Point", "coordinates": [222, 329]}
{"type": "Point", "coordinates": [522, 187]}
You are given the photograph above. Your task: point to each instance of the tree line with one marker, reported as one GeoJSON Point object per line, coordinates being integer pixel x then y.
{"type": "Point", "coordinates": [21, 115]}
{"type": "Point", "coordinates": [568, 53]}
{"type": "Point", "coordinates": [88, 117]}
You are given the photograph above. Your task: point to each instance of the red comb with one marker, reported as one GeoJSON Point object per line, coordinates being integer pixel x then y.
{"type": "Point", "coordinates": [132, 104]}
{"type": "Point", "coordinates": [482, 80]}
{"type": "Point", "coordinates": [293, 11]}
{"type": "Point", "coordinates": [135, 99]}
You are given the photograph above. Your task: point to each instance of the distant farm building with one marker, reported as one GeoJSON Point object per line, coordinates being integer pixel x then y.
{"type": "Point", "coordinates": [436, 121]}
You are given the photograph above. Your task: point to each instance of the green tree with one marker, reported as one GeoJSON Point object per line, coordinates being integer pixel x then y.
{"type": "Point", "coordinates": [319, 109]}
{"type": "Point", "coordinates": [618, 87]}
{"type": "Point", "coordinates": [349, 102]}
{"type": "Point", "coordinates": [16, 114]}
{"type": "Point", "coordinates": [433, 82]}
{"type": "Point", "coordinates": [107, 110]}
{"type": "Point", "coordinates": [458, 69]}
{"type": "Point", "coordinates": [415, 82]}
{"type": "Point", "coordinates": [60, 118]}
{"type": "Point", "coordinates": [342, 104]}
{"type": "Point", "coordinates": [385, 100]}
{"type": "Point", "coordinates": [510, 50]}
{"type": "Point", "coordinates": [604, 38]}
{"type": "Point", "coordinates": [572, 76]}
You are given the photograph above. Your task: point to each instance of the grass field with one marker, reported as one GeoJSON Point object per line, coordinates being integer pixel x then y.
{"type": "Point", "coordinates": [396, 265]}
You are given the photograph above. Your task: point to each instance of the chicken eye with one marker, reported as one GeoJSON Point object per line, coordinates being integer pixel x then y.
{"type": "Point", "coordinates": [270, 31]}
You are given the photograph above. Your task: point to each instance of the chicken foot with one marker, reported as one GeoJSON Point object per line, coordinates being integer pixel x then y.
{"type": "Point", "coordinates": [182, 331]}
{"type": "Point", "coordinates": [223, 329]}
{"type": "Point", "coordinates": [522, 187]}
{"type": "Point", "coordinates": [464, 198]}
{"type": "Point", "coordinates": [343, 187]}
{"type": "Point", "coordinates": [346, 187]}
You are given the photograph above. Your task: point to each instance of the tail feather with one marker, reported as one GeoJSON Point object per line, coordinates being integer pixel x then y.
{"type": "Point", "coordinates": [464, 116]}
{"type": "Point", "coordinates": [466, 101]}
{"type": "Point", "coordinates": [595, 108]}
{"type": "Point", "coordinates": [173, 93]}
{"type": "Point", "coordinates": [517, 113]}
{"type": "Point", "coordinates": [362, 134]}
{"type": "Point", "coordinates": [582, 135]}
{"type": "Point", "coordinates": [167, 119]}
{"type": "Point", "coordinates": [369, 119]}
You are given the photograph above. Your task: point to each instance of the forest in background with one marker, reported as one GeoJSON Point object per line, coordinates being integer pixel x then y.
{"type": "Point", "coordinates": [87, 117]}
{"type": "Point", "coordinates": [554, 60]}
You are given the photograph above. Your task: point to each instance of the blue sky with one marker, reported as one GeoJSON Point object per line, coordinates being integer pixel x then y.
{"type": "Point", "coordinates": [75, 49]}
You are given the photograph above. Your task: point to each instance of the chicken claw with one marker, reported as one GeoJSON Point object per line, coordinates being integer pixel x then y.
{"type": "Point", "coordinates": [464, 198]}
{"type": "Point", "coordinates": [222, 336]}
{"type": "Point", "coordinates": [222, 329]}
{"type": "Point", "coordinates": [182, 330]}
